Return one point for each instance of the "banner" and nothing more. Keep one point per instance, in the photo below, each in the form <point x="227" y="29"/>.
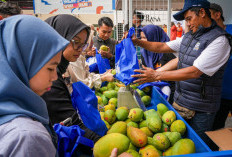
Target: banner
<point x="74" y="6"/>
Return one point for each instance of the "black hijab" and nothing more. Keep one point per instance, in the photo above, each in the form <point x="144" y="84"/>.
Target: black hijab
<point x="67" y="26"/>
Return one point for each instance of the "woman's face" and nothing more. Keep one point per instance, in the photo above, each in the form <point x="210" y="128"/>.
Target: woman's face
<point x="74" y="49"/>
<point x="143" y="37"/>
<point x="42" y="81"/>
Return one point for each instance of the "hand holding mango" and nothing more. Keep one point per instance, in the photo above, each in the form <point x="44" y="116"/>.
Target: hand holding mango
<point x="92" y="52"/>
<point x="105" y="51"/>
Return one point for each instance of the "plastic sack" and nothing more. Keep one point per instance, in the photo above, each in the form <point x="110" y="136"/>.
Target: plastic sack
<point x="97" y="63"/>
<point x="126" y="60"/>
<point x="157" y="85"/>
<point x="92" y="63"/>
<point x="70" y="140"/>
<point x="85" y="102"/>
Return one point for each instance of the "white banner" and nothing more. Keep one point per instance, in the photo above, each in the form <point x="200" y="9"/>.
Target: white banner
<point x="74" y="6"/>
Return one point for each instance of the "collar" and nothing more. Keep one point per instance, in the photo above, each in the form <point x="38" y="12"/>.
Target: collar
<point x="101" y="40"/>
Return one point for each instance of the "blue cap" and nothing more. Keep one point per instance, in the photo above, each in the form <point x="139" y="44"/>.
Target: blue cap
<point x="189" y="4"/>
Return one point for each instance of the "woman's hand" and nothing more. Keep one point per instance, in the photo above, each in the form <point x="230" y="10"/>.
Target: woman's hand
<point x="107" y="76"/>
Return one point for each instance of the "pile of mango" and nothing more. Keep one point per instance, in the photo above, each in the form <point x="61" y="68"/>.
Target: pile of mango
<point x="151" y="133"/>
<point x="107" y="95"/>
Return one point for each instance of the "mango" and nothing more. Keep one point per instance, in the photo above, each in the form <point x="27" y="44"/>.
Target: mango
<point x="134" y="86"/>
<point x="99" y="100"/>
<point x="113" y="72"/>
<point x="143" y="149"/>
<point x="174" y="137"/>
<point x="127" y="121"/>
<point x="147" y="131"/>
<point x="153" y="120"/>
<point x="120" y="84"/>
<point x="183" y="146"/>
<point x="136" y="136"/>
<point x="107" y="124"/>
<point x="118" y="127"/>
<point x="104" y="100"/>
<point x="149" y="141"/>
<point x="140" y="92"/>
<point x="168" y="152"/>
<point x="164" y="128"/>
<point x="134" y="153"/>
<point x="109" y="107"/>
<point x="161" y="109"/>
<point x="178" y="126"/>
<point x="161" y="141"/>
<point x="166" y="133"/>
<point x="113" y="101"/>
<point x="136" y="114"/>
<point x="116" y="88"/>
<point x="103" y="89"/>
<point x="169" y="117"/>
<point x="98" y="94"/>
<point x="102" y="115"/>
<point x="110" y="94"/>
<point x="147" y="89"/>
<point x="131" y="146"/>
<point x="104" y="146"/>
<point x="150" y="153"/>
<point x="122" y="113"/>
<point x="104" y="48"/>
<point x="143" y="124"/>
<point x="135" y="125"/>
<point x="109" y="116"/>
<point x="110" y="86"/>
<point x="146" y="100"/>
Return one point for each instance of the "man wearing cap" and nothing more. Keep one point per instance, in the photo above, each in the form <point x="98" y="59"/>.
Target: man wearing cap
<point x="137" y="20"/>
<point x="226" y="100"/>
<point x="199" y="68"/>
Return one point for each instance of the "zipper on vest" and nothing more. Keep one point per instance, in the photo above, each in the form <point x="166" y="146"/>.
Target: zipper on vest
<point x="190" y="41"/>
<point x="203" y="89"/>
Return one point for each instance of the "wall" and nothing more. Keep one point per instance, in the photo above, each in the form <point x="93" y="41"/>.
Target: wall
<point x="227" y="9"/>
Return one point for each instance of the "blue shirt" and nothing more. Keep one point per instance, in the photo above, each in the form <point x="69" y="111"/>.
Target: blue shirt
<point x="227" y="79"/>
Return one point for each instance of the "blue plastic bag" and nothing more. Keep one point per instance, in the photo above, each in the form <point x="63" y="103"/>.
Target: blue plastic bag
<point x="157" y="85"/>
<point x="69" y="138"/>
<point x="102" y="63"/>
<point x="98" y="63"/>
<point x="85" y="102"/>
<point x="126" y="60"/>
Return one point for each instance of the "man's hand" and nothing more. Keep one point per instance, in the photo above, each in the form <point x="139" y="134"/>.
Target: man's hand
<point x="146" y="75"/>
<point x="91" y="52"/>
<point x="105" y="54"/>
<point x="114" y="154"/>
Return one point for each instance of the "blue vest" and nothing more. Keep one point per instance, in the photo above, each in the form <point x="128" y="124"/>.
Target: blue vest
<point x="204" y="93"/>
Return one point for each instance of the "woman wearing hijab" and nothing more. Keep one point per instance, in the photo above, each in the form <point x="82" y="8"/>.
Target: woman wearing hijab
<point x="155" y="34"/>
<point x="58" y="99"/>
<point x="155" y="60"/>
<point x="79" y="70"/>
<point x="30" y="51"/>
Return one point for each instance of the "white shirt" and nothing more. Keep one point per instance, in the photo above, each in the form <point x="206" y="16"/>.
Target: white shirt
<point x="25" y="137"/>
<point x="212" y="58"/>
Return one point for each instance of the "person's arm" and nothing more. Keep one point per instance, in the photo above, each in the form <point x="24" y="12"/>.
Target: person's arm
<point x="150" y="75"/>
<point x="171" y="65"/>
<point x="157" y="47"/>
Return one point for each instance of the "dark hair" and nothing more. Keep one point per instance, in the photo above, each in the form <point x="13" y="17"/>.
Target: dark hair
<point x="126" y="28"/>
<point x="172" y="23"/>
<point x="105" y="20"/>
<point x="139" y="15"/>
<point x="7" y="8"/>
<point x="197" y="10"/>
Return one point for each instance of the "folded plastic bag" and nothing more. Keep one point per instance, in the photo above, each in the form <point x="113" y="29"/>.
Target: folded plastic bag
<point x="126" y="60"/>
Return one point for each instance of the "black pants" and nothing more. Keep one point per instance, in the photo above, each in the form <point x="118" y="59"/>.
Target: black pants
<point x="222" y="114"/>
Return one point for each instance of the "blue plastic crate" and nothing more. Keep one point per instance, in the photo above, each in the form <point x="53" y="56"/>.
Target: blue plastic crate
<point x="202" y="150"/>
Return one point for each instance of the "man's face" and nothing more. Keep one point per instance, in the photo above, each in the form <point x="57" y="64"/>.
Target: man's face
<point x="104" y="32"/>
<point x="193" y="21"/>
<point x="135" y="20"/>
<point x="215" y="15"/>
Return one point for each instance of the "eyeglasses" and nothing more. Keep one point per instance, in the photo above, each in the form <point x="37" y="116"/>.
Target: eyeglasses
<point x="76" y="45"/>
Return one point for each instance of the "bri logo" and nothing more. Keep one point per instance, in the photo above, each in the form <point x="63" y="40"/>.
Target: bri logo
<point x="197" y="46"/>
